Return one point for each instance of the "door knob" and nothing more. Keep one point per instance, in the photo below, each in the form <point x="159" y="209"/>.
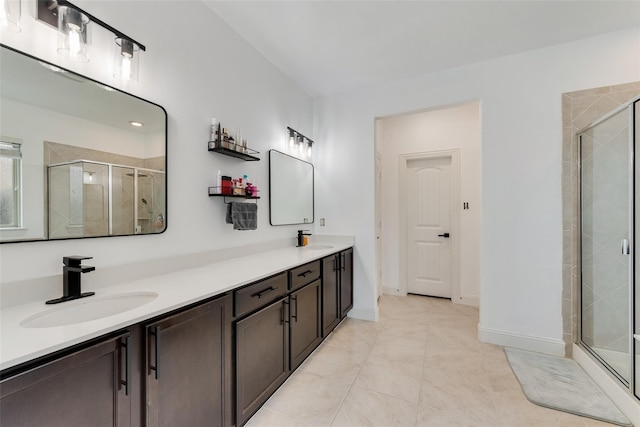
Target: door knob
<point x="444" y="235"/>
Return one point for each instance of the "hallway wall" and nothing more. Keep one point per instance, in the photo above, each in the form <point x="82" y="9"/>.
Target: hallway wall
<point x="521" y="252"/>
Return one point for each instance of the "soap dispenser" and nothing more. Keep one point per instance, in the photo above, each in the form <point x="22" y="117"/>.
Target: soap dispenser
<point x="302" y="237"/>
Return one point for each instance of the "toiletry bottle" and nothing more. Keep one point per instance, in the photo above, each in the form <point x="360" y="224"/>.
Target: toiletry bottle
<point x="219" y="182"/>
<point x="226" y="185"/>
<point x="213" y="137"/>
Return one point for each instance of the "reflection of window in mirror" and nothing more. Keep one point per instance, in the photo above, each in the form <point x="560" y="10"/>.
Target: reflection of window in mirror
<point x="10" y="184"/>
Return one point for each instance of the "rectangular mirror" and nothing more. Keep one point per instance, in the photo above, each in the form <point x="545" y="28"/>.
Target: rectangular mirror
<point x="290" y="190"/>
<point x="77" y="158"/>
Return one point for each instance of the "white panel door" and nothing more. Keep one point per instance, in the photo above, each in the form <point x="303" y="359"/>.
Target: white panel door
<point x="428" y="202"/>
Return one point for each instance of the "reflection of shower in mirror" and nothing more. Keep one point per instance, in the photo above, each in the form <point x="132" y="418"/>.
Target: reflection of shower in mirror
<point x="106" y="203"/>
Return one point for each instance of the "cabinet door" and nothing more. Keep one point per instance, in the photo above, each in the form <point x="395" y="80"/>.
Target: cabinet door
<point x="189" y="367"/>
<point x="346" y="282"/>
<point x="305" y="321"/>
<point x="330" y="294"/>
<point x="262" y="357"/>
<point x="86" y="388"/>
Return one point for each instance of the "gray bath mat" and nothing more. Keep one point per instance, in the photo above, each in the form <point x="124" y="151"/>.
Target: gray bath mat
<point x="559" y="383"/>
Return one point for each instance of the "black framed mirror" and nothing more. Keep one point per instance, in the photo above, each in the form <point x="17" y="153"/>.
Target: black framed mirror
<point x="290" y="190"/>
<point x="77" y="158"/>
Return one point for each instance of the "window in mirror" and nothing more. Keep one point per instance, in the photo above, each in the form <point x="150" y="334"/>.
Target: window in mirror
<point x="10" y="188"/>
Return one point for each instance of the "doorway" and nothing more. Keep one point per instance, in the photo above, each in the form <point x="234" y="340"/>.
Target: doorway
<point x="430" y="223"/>
<point x="449" y="131"/>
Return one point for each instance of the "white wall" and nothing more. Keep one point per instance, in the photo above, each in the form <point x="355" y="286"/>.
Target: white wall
<point x="456" y="127"/>
<point x="196" y="68"/>
<point x="521" y="252"/>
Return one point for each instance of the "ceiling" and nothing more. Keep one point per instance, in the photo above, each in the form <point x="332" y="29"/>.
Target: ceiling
<point x="334" y="46"/>
<point x="27" y="80"/>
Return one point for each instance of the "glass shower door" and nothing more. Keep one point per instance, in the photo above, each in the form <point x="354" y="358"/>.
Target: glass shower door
<point x="606" y="205"/>
<point x="636" y="285"/>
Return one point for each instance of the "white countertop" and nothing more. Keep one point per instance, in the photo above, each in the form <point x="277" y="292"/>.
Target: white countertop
<point x="178" y="289"/>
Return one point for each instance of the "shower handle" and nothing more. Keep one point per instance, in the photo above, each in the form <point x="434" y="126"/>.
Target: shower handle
<point x="625" y="247"/>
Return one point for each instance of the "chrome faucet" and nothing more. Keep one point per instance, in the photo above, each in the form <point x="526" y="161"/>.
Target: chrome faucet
<point x="301" y="234"/>
<point x="71" y="285"/>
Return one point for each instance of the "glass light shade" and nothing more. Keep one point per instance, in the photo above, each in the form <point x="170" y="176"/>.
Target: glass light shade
<point x="126" y="60"/>
<point x="10" y="15"/>
<point x="72" y="39"/>
<point x="292" y="140"/>
<point x="309" y="151"/>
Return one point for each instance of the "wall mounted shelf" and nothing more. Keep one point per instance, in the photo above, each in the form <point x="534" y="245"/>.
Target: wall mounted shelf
<point x="231" y="196"/>
<point x="249" y="155"/>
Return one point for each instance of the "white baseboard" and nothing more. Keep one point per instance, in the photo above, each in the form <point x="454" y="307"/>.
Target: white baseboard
<point x="464" y="300"/>
<point x="522" y="342"/>
<point x="620" y="396"/>
<point x="472" y="301"/>
<point x="362" y="313"/>
<point x="393" y="291"/>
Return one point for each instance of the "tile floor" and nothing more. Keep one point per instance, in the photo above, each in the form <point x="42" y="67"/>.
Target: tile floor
<point x="420" y="365"/>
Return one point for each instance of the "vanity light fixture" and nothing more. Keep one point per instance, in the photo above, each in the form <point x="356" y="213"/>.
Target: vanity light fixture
<point x="73" y="24"/>
<point x="126" y="60"/>
<point x="10" y="15"/>
<point x="292" y="138"/>
<point x="299" y="142"/>
<point x="72" y="38"/>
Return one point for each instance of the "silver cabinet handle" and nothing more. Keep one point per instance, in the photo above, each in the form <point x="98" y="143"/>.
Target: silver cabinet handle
<point x="625" y="247"/>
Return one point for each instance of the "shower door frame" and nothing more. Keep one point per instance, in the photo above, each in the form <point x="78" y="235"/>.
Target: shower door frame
<point x="136" y="170"/>
<point x="631" y="385"/>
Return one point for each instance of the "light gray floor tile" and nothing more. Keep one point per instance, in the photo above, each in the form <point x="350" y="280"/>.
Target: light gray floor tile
<point x="420" y="365"/>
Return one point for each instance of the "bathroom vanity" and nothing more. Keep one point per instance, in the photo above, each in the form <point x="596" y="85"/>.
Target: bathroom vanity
<point x="214" y="345"/>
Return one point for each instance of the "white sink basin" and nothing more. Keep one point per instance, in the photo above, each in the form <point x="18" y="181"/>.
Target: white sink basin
<point x="319" y="247"/>
<point x="89" y="308"/>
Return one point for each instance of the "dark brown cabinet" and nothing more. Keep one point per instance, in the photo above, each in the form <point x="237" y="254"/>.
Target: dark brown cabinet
<point x="346" y="282"/>
<point x="212" y="364"/>
<point x="188" y="367"/>
<point x="337" y="289"/>
<point x="89" y="387"/>
<point x="262" y="357"/>
<point x="330" y="294"/>
<point x="305" y="323"/>
<point x="276" y="339"/>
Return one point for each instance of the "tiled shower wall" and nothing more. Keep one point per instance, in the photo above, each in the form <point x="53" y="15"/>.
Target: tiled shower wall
<point x="579" y="110"/>
<point x="96" y="223"/>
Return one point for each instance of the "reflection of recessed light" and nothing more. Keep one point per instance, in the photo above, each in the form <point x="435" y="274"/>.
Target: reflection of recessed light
<point x="51" y="67"/>
<point x="136" y="124"/>
<point x="105" y="87"/>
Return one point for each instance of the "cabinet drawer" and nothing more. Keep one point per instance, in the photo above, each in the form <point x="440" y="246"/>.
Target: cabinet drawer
<point x="304" y="274"/>
<point x="259" y="294"/>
